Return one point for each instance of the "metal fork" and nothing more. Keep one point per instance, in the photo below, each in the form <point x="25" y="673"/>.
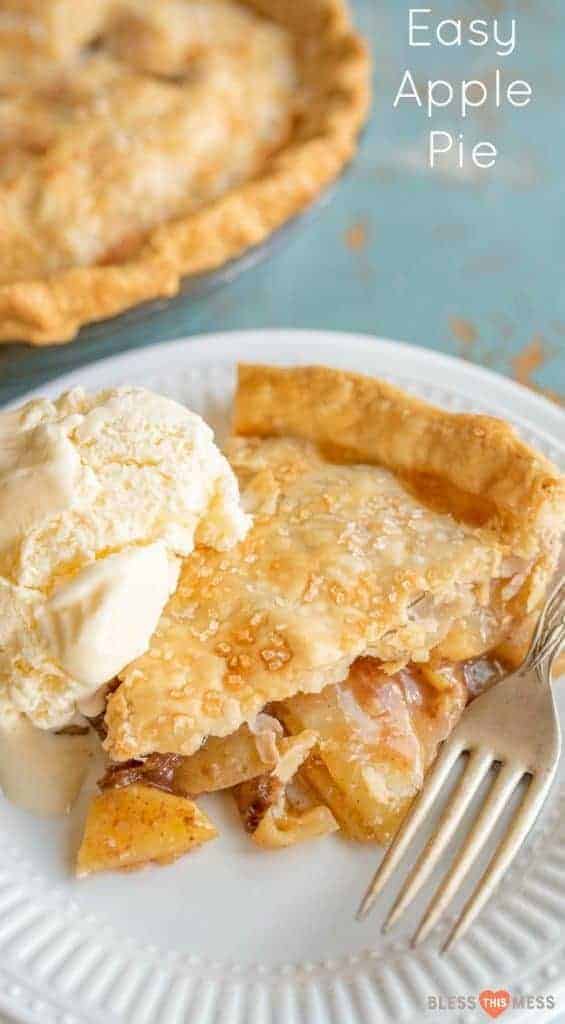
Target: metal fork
<point x="514" y="725"/>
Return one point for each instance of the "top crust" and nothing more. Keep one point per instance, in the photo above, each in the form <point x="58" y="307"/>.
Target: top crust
<point x="474" y="466"/>
<point x="342" y="560"/>
<point x="334" y="73"/>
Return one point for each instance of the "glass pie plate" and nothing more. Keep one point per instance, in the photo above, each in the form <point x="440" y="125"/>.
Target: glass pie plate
<point x="196" y="286"/>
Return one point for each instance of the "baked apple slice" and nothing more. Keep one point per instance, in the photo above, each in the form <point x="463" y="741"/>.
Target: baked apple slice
<point x="138" y="825"/>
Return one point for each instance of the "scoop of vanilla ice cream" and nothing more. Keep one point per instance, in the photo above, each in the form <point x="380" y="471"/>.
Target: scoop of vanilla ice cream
<point x="100" y="495"/>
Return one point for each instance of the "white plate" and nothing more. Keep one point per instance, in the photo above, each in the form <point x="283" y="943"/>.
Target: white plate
<point x="232" y="935"/>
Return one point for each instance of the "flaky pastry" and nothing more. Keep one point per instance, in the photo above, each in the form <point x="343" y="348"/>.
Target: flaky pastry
<point x="382" y="527"/>
<point x="141" y="142"/>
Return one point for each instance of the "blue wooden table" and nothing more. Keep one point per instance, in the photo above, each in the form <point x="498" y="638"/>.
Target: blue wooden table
<point x="468" y="262"/>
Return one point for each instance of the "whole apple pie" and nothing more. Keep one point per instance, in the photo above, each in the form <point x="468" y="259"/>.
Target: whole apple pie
<point x="141" y="142"/>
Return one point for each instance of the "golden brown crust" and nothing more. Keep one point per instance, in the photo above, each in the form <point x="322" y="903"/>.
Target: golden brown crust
<point x="51" y="311"/>
<point x="334" y="65"/>
<point x="341" y="555"/>
<point x="342" y="559"/>
<point x="335" y="561"/>
<point x="33" y="32"/>
<point x="474" y="464"/>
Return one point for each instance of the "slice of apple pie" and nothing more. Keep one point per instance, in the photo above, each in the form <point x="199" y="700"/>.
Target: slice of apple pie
<point x="394" y="548"/>
<point x="382" y="527"/>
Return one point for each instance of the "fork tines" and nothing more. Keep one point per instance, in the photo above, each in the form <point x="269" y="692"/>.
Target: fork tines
<point x="514" y="725"/>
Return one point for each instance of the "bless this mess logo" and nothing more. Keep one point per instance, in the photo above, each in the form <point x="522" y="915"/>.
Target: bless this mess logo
<point x="493" y="1002"/>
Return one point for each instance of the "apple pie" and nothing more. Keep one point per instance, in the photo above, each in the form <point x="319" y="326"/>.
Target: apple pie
<point x="315" y="668"/>
<point x="375" y="565"/>
<point x="371" y="537"/>
<point x="141" y="142"/>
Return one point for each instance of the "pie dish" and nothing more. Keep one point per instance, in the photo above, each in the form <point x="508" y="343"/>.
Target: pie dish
<point x="315" y="667"/>
<point x="143" y="142"/>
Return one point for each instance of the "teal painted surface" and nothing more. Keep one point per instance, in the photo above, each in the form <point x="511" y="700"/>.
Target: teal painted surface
<point x="470" y="265"/>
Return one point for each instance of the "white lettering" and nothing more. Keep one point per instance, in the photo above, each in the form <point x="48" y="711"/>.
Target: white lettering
<point x="479" y="35"/>
<point x="484" y="155"/>
<point x="518" y="89"/>
<point x="435" y="149"/>
<point x="455" y="40"/>
<point x="449" y="32"/>
<point x="413" y="27"/>
<point x="505" y="46"/>
<point x="412" y="95"/>
<point x="436" y="101"/>
<point x="468" y="89"/>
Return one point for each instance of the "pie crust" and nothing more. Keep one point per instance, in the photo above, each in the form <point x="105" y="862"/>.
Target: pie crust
<point x="372" y="536"/>
<point x="34" y="33"/>
<point x="333" y="69"/>
<point x="473" y="465"/>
